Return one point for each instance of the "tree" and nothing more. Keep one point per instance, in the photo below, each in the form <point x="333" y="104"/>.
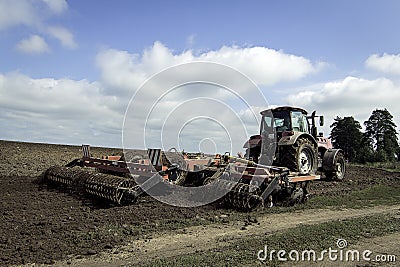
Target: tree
<point x="346" y="135"/>
<point x="381" y="135"/>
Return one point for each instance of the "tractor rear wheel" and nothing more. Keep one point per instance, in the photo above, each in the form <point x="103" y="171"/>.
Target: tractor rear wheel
<point x="340" y="166"/>
<point x="300" y="157"/>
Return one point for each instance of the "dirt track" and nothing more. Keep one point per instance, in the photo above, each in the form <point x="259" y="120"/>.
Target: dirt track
<point x="44" y="226"/>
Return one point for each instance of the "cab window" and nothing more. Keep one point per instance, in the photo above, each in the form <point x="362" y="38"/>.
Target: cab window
<point x="299" y="122"/>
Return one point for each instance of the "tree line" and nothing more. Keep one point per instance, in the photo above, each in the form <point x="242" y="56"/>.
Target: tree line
<point x="378" y="143"/>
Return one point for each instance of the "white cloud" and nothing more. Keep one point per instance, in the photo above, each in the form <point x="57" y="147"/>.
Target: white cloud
<point x="75" y="112"/>
<point x="122" y="73"/>
<point x="63" y="111"/>
<point x="265" y="66"/>
<point x="119" y="71"/>
<point x="386" y="63"/>
<point x="33" y="45"/>
<point x="14" y="13"/>
<point x="57" y="6"/>
<point x="36" y="16"/>
<point x="63" y="35"/>
<point x="68" y="111"/>
<point x="351" y="96"/>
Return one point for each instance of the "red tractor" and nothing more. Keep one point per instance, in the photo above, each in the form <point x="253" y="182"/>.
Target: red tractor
<point x="289" y="138"/>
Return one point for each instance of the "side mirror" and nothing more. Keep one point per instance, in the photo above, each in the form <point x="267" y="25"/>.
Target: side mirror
<point x="321" y="121"/>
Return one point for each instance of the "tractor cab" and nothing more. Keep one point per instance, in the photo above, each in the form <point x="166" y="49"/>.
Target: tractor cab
<point x="284" y="121"/>
<point x="287" y="121"/>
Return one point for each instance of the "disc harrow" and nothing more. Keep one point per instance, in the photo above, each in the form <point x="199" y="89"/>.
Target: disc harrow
<point x="245" y="184"/>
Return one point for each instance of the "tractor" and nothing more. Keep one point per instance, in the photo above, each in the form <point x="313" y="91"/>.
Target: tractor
<point x="289" y="138"/>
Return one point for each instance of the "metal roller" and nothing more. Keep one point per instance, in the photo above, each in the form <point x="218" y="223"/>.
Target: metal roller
<point x="70" y="177"/>
<point x="240" y="195"/>
<point x="119" y="190"/>
<point x="108" y="186"/>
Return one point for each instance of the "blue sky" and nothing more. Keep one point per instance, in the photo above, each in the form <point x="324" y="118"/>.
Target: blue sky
<point x="341" y="32"/>
<point x="341" y="49"/>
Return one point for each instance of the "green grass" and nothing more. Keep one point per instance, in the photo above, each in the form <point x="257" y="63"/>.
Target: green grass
<point x="317" y="237"/>
<point x="372" y="196"/>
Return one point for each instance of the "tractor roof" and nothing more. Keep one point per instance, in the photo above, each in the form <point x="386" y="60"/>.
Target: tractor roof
<point x="284" y="108"/>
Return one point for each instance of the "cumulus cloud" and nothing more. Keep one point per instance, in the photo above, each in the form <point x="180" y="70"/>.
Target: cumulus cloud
<point x="61" y="111"/>
<point x="57" y="6"/>
<point x="75" y="112"/>
<point x="265" y="66"/>
<point x="33" y="45"/>
<point x="199" y="91"/>
<point x="351" y="96"/>
<point x="63" y="35"/>
<point x="36" y="16"/>
<point x="122" y="73"/>
<point x="386" y="63"/>
<point x="69" y="111"/>
<point x="14" y="13"/>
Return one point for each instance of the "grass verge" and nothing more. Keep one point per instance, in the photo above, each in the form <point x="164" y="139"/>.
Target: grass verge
<point x="305" y="237"/>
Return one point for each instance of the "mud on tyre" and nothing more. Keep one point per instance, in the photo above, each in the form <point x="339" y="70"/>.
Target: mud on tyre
<point x="300" y="157"/>
<point x="340" y="166"/>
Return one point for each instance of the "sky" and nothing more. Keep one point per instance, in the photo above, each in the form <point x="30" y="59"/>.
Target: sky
<point x="70" y="69"/>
